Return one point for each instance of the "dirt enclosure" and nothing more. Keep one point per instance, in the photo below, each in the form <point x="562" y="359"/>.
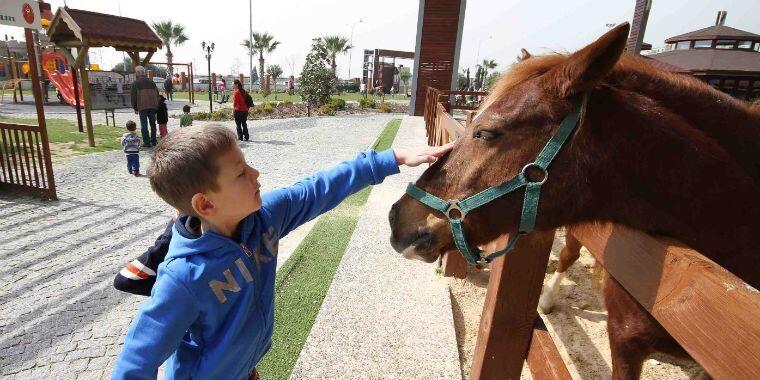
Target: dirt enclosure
<point x="578" y="323"/>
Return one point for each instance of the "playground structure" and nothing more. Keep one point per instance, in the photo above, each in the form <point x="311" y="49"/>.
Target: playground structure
<point x="184" y="79"/>
<point x="82" y="30"/>
<point x="380" y="75"/>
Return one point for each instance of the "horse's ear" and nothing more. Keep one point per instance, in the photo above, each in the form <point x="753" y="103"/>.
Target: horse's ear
<point x="523" y="55"/>
<point x="587" y="67"/>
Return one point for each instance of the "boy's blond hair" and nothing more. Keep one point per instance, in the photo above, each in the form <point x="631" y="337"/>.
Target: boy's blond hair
<point x="184" y="164"/>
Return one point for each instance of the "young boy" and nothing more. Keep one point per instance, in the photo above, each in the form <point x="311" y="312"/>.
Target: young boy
<point x="187" y="119"/>
<point x="211" y="310"/>
<point x="131" y="143"/>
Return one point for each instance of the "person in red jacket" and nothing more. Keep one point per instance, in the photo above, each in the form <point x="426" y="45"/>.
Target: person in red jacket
<point x="240" y="105"/>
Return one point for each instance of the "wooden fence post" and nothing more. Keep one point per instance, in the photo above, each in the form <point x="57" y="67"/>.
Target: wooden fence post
<point x="509" y="312"/>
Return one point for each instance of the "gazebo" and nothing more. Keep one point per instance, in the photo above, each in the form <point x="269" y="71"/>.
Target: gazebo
<point x="80" y="29"/>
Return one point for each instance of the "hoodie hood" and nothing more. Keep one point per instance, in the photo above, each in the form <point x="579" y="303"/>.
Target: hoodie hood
<point x="188" y="240"/>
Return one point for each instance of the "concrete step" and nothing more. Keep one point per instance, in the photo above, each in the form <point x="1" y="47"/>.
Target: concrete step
<point x="384" y="316"/>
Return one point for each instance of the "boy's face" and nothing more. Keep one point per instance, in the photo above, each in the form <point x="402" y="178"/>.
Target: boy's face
<point x="238" y="193"/>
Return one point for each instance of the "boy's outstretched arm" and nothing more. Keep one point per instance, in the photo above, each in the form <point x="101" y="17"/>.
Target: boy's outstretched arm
<point x="292" y="206"/>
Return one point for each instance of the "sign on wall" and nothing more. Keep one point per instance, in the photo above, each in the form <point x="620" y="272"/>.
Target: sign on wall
<point x="23" y="13"/>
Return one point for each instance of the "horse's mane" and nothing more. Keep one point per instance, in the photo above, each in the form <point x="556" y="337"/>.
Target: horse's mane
<point x="627" y="65"/>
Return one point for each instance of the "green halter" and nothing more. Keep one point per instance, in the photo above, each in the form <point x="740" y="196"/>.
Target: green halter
<point x="456" y="210"/>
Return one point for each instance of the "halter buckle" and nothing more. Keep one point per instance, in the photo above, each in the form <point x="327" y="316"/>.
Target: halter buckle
<point x="535" y="165"/>
<point x="454" y="206"/>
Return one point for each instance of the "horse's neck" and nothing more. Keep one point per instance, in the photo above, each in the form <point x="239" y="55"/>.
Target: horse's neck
<point x="668" y="176"/>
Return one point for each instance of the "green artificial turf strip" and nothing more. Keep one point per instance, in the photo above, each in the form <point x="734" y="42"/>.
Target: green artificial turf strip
<point x="303" y="281"/>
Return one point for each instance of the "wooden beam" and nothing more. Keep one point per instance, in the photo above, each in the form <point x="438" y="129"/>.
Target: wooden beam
<point x="454" y="265"/>
<point x="543" y="358"/>
<point x="87" y="99"/>
<point x="712" y="313"/>
<point x="71" y="61"/>
<point x="148" y="57"/>
<point x="81" y="55"/>
<point x="135" y="58"/>
<point x="509" y="312"/>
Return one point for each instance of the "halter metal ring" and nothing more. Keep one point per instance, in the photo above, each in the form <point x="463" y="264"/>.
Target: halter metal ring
<point x="454" y="206"/>
<point x="535" y="165"/>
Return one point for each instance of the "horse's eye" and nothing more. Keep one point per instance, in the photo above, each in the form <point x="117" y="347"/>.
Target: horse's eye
<point x="485" y="135"/>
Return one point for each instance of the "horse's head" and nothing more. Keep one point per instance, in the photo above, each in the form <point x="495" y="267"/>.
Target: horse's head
<point x="513" y="124"/>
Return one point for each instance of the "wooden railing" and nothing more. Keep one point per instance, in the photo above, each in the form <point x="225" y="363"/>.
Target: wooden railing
<point x="438" y="108"/>
<point x="712" y="313"/>
<point x="25" y="164"/>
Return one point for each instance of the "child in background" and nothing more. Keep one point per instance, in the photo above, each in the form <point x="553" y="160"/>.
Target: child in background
<point x="162" y="116"/>
<point x="187" y="119"/>
<point x="131" y="143"/>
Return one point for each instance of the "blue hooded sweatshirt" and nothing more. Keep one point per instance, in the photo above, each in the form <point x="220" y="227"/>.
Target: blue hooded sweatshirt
<point x="211" y="311"/>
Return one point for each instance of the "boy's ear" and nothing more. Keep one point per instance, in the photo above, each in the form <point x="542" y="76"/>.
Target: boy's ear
<point x="202" y="205"/>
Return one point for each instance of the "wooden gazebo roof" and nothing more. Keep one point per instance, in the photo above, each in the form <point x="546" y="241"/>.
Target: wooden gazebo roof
<point x="715" y="32"/>
<point x="79" y="28"/>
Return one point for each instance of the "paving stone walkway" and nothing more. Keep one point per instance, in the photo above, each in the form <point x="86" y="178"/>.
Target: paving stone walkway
<point x="60" y="317"/>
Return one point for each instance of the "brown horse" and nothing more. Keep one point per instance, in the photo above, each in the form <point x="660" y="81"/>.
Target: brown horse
<point x="658" y="152"/>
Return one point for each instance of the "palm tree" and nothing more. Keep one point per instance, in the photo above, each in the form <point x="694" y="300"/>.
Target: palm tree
<point x="336" y="45"/>
<point x="262" y="43"/>
<point x="170" y="34"/>
<point x="274" y="72"/>
<point x="487" y="64"/>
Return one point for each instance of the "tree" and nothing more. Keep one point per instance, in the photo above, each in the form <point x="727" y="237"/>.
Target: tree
<point x="170" y="34"/>
<point x="336" y="45"/>
<point x="316" y="79"/>
<point x="126" y="67"/>
<point x="462" y="80"/>
<point x="487" y="65"/>
<point x="492" y="78"/>
<point x="404" y="74"/>
<point x="274" y="72"/>
<point x="262" y="43"/>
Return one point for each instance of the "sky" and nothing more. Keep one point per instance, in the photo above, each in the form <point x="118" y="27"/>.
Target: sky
<point x="493" y="29"/>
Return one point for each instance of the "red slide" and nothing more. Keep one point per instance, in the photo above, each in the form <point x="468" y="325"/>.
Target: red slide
<point x="64" y="82"/>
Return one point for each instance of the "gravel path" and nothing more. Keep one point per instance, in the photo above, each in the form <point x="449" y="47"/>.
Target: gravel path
<point x="60" y="315"/>
<point x="384" y="317"/>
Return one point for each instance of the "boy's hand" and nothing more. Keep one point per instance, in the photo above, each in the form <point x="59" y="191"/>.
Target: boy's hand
<point x="416" y="156"/>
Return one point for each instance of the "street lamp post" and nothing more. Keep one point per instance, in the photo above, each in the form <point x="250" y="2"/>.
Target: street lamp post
<point x="351" y="43"/>
<point x="477" y="56"/>
<point x="250" y="43"/>
<point x="208" y="48"/>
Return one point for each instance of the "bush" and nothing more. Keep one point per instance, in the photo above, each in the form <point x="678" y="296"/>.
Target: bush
<point x="385" y="107"/>
<point x="254" y="111"/>
<point x="327" y="110"/>
<point x="220" y="114"/>
<point x="337" y="104"/>
<point x="267" y="107"/>
<point x="347" y="87"/>
<point x="367" y="103"/>
<point x="286" y="101"/>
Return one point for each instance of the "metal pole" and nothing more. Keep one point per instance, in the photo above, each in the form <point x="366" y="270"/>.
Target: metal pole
<point x="208" y="58"/>
<point x="250" y="43"/>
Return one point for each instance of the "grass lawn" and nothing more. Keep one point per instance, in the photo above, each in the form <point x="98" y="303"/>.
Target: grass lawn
<point x="65" y="139"/>
<point x="302" y="283"/>
<point x="258" y="98"/>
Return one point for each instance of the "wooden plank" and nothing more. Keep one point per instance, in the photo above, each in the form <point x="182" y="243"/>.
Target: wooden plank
<point x="447" y="122"/>
<point x="87" y="98"/>
<point x="544" y="360"/>
<point x="454" y="265"/>
<point x="712" y="313"/>
<point x="509" y="312"/>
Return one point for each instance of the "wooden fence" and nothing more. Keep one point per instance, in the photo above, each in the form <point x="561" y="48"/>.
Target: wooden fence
<point x="712" y="313"/>
<point x="25" y="163"/>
